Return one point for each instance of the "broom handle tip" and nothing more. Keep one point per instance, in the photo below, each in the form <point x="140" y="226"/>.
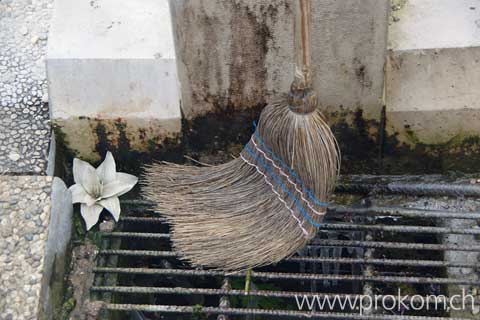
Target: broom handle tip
<point x="305" y="24"/>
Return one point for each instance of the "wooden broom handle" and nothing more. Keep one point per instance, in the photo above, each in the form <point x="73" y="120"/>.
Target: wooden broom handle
<point x="305" y="18"/>
<point x="301" y="98"/>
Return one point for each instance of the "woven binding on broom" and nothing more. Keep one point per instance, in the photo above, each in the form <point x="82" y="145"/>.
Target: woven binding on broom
<point x="281" y="180"/>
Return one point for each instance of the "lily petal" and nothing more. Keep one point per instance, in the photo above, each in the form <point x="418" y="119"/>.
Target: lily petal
<point x="79" y="195"/>
<point x="86" y="176"/>
<point x="107" y="170"/>
<point x="90" y="214"/>
<point x="123" y="183"/>
<point x="112" y="205"/>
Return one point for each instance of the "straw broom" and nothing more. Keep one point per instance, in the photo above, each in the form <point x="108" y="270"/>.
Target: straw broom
<point x="264" y="205"/>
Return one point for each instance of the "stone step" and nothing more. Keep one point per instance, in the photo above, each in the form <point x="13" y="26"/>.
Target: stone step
<point x="111" y="67"/>
<point x="433" y="70"/>
<point x="35" y="229"/>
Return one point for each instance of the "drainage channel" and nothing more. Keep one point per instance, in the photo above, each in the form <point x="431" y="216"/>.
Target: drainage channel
<point x="365" y="250"/>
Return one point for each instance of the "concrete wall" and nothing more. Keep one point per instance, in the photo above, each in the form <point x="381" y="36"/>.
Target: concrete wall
<point x="349" y="48"/>
<point x="239" y="54"/>
<point x="232" y="54"/>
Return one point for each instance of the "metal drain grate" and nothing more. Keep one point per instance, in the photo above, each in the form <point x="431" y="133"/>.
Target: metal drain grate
<point x="406" y="240"/>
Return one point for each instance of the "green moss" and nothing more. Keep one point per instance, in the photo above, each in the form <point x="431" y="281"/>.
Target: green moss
<point x="461" y="153"/>
<point x="80" y="233"/>
<point x="258" y="302"/>
<point x="67" y="308"/>
<point x="412" y="137"/>
<point x="398" y="4"/>
<point x="198" y="313"/>
<point x="64" y="156"/>
<point x="346" y="199"/>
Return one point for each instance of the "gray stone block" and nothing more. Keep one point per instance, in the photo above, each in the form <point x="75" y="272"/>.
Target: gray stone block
<point x="125" y="77"/>
<point x="433" y="71"/>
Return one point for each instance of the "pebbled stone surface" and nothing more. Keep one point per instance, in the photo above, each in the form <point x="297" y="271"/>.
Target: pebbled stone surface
<point x="24" y="217"/>
<point x="24" y="116"/>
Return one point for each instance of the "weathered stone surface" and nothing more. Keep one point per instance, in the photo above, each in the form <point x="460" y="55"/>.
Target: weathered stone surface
<point x="35" y="227"/>
<point x="240" y="54"/>
<point x="91" y="138"/>
<point x="349" y="40"/>
<point x="59" y="235"/>
<point x="433" y="77"/>
<point x="232" y="54"/>
<point x="126" y="73"/>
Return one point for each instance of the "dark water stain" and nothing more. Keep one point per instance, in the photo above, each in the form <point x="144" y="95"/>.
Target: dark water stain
<point x="129" y="160"/>
<point x="361" y="73"/>
<point x="213" y="138"/>
<point x="358" y="142"/>
<point x="219" y="136"/>
<point x="64" y="156"/>
<point x="250" y="38"/>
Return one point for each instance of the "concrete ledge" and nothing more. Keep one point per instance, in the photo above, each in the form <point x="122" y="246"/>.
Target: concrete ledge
<point x="113" y="88"/>
<point x="35" y="226"/>
<point x="433" y="79"/>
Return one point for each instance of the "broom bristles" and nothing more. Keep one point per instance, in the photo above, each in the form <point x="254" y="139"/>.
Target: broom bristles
<point x="258" y="208"/>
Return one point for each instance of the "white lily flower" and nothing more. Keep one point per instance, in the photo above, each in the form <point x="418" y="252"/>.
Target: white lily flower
<point x="98" y="189"/>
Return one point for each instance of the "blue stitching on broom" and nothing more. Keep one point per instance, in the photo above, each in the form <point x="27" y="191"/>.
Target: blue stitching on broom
<point x="280" y="183"/>
<point x="285" y="166"/>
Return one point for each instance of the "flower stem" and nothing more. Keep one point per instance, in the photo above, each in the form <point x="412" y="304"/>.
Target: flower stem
<point x="248" y="279"/>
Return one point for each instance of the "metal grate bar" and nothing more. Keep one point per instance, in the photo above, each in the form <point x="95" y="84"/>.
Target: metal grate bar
<point x="417" y="189"/>
<point x="407" y="185"/>
<point x="262" y="293"/>
<point x="387" y="211"/>
<point x="404" y="212"/>
<point x="264" y="312"/>
<point x="389" y="262"/>
<point x="287" y="276"/>
<point x="143" y="219"/>
<point x="325" y="243"/>
<point x="343" y="227"/>
<point x="391" y="245"/>
<point x="136" y="235"/>
<point x="398" y="228"/>
<point x="139" y="253"/>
